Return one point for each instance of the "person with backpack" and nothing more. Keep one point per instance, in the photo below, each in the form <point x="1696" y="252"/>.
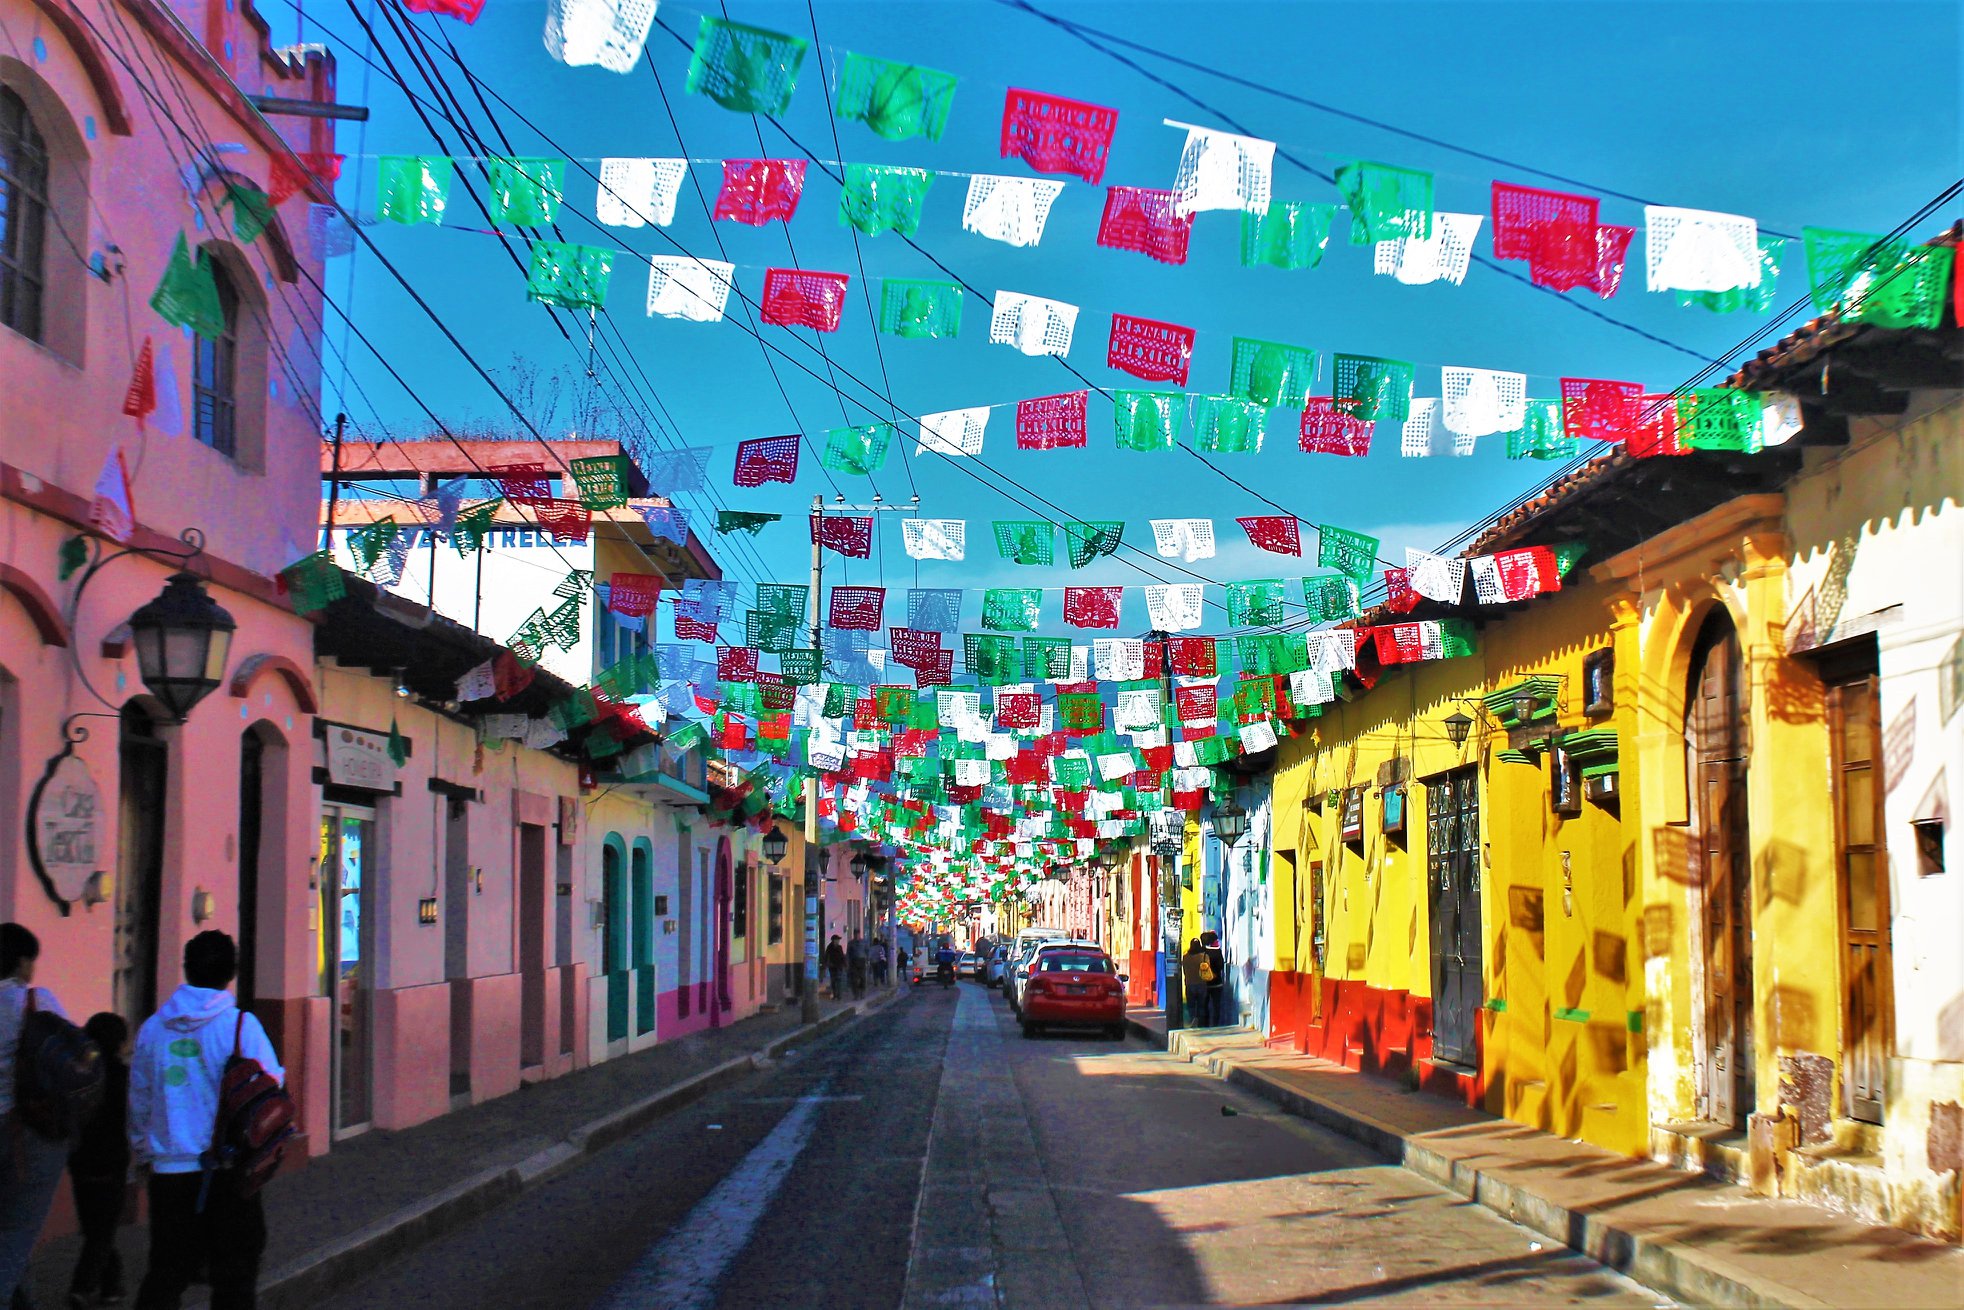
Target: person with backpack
<point x="1195" y="973"/>
<point x="99" y="1169"/>
<point x="209" y="1115"/>
<point x="50" y="1078"/>
<point x="1210" y="942"/>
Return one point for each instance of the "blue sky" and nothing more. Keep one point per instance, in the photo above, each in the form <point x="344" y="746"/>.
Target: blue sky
<point x="1825" y="114"/>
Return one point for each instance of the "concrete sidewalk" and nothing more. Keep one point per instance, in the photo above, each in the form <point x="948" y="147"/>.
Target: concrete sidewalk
<point x="1693" y="1237"/>
<point x="377" y="1195"/>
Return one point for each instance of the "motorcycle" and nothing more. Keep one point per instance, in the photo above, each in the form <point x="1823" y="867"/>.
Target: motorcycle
<point x="945" y="974"/>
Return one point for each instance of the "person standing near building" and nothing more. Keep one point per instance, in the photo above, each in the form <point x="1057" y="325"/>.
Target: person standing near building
<point x="30" y="1162"/>
<point x="835" y="967"/>
<point x="857" y="958"/>
<point x="1210" y="941"/>
<point x="197" y="1218"/>
<point x="880" y="961"/>
<point x="1193" y="983"/>
<point x="99" y="1169"/>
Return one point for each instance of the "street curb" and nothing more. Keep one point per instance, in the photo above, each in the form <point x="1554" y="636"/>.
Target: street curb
<point x="323" y="1272"/>
<point x="1692" y="1276"/>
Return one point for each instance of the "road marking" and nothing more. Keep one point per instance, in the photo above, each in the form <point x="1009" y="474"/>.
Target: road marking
<point x="780" y="1100"/>
<point x="681" y="1271"/>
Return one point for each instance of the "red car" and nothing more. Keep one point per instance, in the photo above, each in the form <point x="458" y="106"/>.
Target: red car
<point x="1075" y="985"/>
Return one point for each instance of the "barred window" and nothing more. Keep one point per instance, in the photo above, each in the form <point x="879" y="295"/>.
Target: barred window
<point x="23" y="217"/>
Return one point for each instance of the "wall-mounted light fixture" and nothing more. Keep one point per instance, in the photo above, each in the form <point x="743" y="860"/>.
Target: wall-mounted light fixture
<point x="204" y="906"/>
<point x="426" y="910"/>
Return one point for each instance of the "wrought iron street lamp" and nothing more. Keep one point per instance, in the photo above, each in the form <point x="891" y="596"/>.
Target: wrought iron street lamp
<point x="775" y="846"/>
<point x="1230" y="822"/>
<point x="1458" y="726"/>
<point x="860" y="865"/>
<point x="182" y="639"/>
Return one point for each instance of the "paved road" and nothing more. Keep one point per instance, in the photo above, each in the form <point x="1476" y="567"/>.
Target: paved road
<point x="932" y="1157"/>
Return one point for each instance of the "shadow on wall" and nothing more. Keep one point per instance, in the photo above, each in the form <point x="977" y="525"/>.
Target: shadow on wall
<point x="1780" y="873"/>
<point x="1950" y="1029"/>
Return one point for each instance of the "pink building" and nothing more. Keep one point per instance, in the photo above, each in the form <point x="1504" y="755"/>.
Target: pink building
<point x="152" y="828"/>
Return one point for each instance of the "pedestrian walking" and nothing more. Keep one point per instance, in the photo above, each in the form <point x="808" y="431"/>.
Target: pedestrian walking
<point x="33" y="1148"/>
<point x="1193" y="983"/>
<point x="906" y="974"/>
<point x="880" y="961"/>
<point x="99" y="1171"/>
<point x="1210" y="941"/>
<point x="198" y="1216"/>
<point x="857" y="958"/>
<point x="835" y="967"/>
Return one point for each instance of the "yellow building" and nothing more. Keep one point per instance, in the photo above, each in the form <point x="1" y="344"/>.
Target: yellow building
<point x="1663" y="864"/>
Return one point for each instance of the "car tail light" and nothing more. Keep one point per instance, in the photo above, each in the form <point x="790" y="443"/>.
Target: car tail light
<point x="1034" y="985"/>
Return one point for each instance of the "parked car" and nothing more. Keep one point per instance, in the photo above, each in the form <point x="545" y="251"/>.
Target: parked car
<point x="996" y="966"/>
<point x="969" y="965"/>
<point x="1074" y="984"/>
<point x="1019" y="971"/>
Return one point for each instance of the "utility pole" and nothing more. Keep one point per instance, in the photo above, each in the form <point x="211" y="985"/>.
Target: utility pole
<point x="334" y="484"/>
<point x="1168" y="849"/>
<point x="814" y="879"/>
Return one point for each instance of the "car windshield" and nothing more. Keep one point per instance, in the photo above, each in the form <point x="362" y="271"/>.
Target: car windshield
<point x="1072" y="962"/>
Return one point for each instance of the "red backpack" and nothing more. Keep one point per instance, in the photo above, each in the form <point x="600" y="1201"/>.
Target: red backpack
<point x="255" y="1120"/>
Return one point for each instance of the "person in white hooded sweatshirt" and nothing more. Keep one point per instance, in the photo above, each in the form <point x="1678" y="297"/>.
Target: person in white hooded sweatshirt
<point x="180" y="1054"/>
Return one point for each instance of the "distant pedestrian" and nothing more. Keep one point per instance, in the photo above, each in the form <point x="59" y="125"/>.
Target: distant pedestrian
<point x="30" y="1160"/>
<point x="1210" y="942"/>
<point x="1193" y="983"/>
<point x="906" y="974"/>
<point x="99" y="1170"/>
<point x="835" y="967"/>
<point x="880" y="961"/>
<point x="857" y="958"/>
<point x="198" y="1218"/>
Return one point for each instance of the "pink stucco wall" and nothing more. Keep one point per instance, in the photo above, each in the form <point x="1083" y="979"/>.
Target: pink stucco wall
<point x="59" y="423"/>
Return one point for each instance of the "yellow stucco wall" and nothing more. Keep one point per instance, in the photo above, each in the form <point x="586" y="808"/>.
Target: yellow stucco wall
<point x="1556" y="937"/>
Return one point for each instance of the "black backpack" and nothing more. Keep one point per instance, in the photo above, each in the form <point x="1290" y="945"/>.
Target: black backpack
<point x="58" y="1074"/>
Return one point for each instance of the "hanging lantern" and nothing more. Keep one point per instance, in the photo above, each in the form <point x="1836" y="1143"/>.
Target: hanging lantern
<point x="182" y="639"/>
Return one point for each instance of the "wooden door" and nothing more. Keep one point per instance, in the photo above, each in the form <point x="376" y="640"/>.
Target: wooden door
<point x="1453" y="878"/>
<point x="614" y="954"/>
<point x="1715" y="734"/>
<point x="1868" y="1010"/>
<point x="144" y="766"/>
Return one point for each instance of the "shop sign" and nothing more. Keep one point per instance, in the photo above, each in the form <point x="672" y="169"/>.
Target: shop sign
<point x="64" y="828"/>
<point x="359" y="759"/>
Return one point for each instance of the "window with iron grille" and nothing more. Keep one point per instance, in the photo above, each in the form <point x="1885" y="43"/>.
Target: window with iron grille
<point x="215" y="374"/>
<point x="23" y="217"/>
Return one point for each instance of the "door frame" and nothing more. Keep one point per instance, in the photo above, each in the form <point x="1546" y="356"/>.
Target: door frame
<point x="1447" y="810"/>
<point x="1711" y="1025"/>
<point x="332" y="814"/>
<point x="1864" y="682"/>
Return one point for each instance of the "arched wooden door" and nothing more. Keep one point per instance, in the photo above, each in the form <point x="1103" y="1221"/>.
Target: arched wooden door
<point x="1716" y="747"/>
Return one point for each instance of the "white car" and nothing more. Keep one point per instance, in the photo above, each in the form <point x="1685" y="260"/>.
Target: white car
<point x="1012" y="986"/>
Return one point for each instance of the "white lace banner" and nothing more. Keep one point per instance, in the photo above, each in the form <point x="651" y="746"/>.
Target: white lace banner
<point x="1481" y="402"/>
<point x="682" y="286"/>
<point x="1699" y="250"/>
<point x="1032" y="324"/>
<point x="1174" y="607"/>
<point x="1219" y="170"/>
<point x="954" y="431"/>
<point x="637" y="192"/>
<point x="1441" y="257"/>
<point x="1187" y="539"/>
<point x="935" y="538"/>
<point x="1009" y="209"/>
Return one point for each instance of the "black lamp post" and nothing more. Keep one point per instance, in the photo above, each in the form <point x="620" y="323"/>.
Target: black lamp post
<point x="860" y="865"/>
<point x="1230" y="822"/>
<point x="775" y="845"/>
<point x="182" y="639"/>
<point x="1457" y="728"/>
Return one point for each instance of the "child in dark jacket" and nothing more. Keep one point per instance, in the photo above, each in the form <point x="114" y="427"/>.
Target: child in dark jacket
<point x="98" y="1169"/>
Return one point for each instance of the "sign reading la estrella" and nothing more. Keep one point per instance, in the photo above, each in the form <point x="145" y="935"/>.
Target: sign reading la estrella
<point x="359" y="759"/>
<point x="65" y="824"/>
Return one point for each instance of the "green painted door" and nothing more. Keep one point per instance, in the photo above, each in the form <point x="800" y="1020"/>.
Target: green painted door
<point x="644" y="940"/>
<point x="613" y="962"/>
